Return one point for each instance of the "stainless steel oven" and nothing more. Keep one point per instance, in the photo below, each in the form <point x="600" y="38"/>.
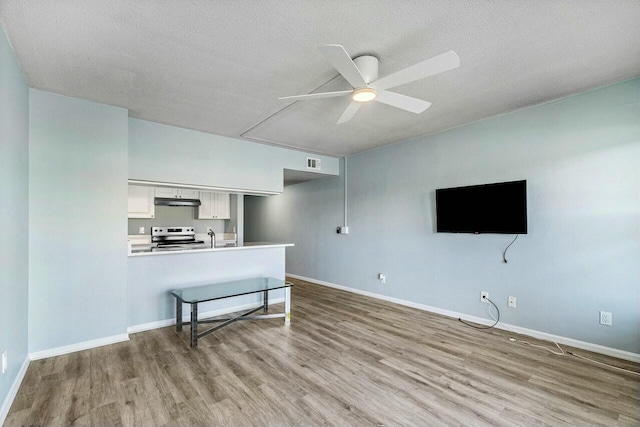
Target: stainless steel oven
<point x="175" y="238"/>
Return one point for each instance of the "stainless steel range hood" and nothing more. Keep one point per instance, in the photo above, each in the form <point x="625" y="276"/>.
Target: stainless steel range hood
<point x="162" y="201"/>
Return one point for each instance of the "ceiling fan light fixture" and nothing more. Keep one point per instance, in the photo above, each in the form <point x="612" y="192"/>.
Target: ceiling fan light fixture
<point x="364" y="95"/>
<point x="362" y="75"/>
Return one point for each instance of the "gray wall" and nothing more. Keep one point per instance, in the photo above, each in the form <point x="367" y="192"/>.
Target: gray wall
<point x="77" y="219"/>
<point x="581" y="159"/>
<point x="14" y="212"/>
<point x="163" y="153"/>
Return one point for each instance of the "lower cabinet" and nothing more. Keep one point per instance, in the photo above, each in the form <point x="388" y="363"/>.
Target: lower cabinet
<point x="214" y="205"/>
<point x="140" y="202"/>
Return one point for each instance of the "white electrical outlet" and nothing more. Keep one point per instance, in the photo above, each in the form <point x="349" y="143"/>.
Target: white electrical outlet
<point x="606" y="318"/>
<point x="342" y="230"/>
<point x="382" y="278"/>
<point x="483" y="297"/>
<point x="4" y="362"/>
<point x="140" y="230"/>
<point x="512" y="302"/>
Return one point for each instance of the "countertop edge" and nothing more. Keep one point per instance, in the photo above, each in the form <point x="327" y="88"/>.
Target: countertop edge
<point x="248" y="246"/>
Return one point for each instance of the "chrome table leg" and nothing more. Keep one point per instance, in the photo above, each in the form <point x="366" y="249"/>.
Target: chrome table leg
<point x="265" y="299"/>
<point x="178" y="315"/>
<point x="194" y="325"/>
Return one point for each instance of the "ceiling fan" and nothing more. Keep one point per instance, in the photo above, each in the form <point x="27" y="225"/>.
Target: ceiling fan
<point x="362" y="74"/>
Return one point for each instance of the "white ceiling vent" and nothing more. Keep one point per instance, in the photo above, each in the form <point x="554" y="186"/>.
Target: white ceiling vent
<point x="313" y="164"/>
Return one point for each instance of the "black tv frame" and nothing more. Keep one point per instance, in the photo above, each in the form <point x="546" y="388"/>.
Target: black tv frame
<point x="440" y="229"/>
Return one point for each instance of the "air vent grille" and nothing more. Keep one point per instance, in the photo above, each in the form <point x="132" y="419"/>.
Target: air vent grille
<point x="313" y="163"/>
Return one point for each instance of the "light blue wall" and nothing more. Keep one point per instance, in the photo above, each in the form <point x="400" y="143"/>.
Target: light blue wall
<point x="77" y="219"/>
<point x="14" y="212"/>
<point x="152" y="277"/>
<point x="170" y="154"/>
<point x="581" y="159"/>
<point x="81" y="155"/>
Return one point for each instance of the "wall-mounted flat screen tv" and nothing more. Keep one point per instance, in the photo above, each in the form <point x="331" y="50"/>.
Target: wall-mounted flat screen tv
<point x="489" y="208"/>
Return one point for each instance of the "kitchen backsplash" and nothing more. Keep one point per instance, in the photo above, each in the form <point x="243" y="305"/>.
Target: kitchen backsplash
<point x="180" y="216"/>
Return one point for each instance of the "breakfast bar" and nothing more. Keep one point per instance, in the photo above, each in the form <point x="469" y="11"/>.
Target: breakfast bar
<point x="151" y="276"/>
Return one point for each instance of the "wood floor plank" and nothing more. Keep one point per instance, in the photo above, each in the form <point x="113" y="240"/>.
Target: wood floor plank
<point x="344" y="360"/>
<point x="109" y="415"/>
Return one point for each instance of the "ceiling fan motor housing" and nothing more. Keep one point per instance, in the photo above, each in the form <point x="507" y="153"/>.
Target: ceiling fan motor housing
<point x="368" y="66"/>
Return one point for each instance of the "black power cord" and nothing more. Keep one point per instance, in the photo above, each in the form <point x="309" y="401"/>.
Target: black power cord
<point x="484" y="327"/>
<point x="504" y="254"/>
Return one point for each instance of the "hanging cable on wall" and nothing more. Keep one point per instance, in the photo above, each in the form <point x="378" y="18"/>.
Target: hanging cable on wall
<point x="496" y="320"/>
<point x="504" y="254"/>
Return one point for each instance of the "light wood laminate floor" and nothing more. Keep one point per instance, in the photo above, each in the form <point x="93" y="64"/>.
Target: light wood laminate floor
<point x="344" y="360"/>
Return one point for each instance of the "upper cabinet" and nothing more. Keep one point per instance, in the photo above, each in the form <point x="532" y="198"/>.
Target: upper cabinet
<point x="189" y="194"/>
<point x="169" y="193"/>
<point x="176" y="193"/>
<point x="214" y="205"/>
<point x="140" y="202"/>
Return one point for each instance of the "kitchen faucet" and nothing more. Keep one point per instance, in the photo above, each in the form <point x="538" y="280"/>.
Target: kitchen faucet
<point x="212" y="234"/>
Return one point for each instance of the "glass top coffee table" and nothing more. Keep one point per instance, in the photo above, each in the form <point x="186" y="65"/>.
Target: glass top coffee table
<point x="216" y="291"/>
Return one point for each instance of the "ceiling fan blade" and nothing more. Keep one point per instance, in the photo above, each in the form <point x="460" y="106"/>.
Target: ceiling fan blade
<point x="404" y="102"/>
<point x="319" y="95"/>
<point x="437" y="64"/>
<point x="341" y="61"/>
<point x="349" y="112"/>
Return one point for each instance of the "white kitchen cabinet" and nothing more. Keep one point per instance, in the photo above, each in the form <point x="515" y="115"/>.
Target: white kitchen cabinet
<point x="176" y="193"/>
<point x="214" y="205"/>
<point x="168" y="193"/>
<point x="222" y="205"/>
<point x="140" y="202"/>
<point x="189" y="194"/>
<point x="205" y="210"/>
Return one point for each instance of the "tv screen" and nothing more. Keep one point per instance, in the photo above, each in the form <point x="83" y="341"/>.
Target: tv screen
<point x="490" y="208"/>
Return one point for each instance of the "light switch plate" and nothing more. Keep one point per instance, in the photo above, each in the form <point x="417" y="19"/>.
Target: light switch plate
<point x="4" y="362"/>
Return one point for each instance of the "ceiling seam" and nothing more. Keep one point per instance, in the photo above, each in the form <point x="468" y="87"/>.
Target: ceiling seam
<point x="243" y="134"/>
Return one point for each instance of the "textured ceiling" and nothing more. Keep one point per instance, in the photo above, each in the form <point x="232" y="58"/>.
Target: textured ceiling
<point x="219" y="67"/>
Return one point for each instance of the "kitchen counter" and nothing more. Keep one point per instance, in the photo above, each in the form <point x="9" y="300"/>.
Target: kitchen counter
<point x="146" y="251"/>
<point x="152" y="275"/>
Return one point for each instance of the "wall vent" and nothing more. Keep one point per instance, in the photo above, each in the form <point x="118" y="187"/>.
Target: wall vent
<point x="313" y="163"/>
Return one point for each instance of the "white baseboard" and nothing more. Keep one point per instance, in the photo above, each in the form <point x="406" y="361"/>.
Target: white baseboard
<point x="203" y="315"/>
<point x="596" y="348"/>
<point x="78" y="347"/>
<point x="13" y="391"/>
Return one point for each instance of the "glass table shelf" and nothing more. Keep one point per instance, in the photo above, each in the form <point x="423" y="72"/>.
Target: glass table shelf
<point x="215" y="291"/>
<point x="228" y="289"/>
